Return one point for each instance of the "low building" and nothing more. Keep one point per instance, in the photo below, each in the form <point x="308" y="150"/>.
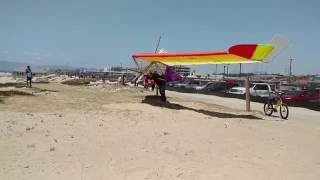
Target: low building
<point x="315" y="82"/>
<point x="182" y="70"/>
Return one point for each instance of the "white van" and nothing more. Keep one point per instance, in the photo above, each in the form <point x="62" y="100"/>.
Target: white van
<point x="256" y="89"/>
<point x="260" y="89"/>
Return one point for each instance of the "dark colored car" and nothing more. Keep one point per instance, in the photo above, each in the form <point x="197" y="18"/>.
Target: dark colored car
<point x="301" y="96"/>
<point x="229" y="83"/>
<point x="212" y="86"/>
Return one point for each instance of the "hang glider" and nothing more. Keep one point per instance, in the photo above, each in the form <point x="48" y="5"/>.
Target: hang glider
<point x="242" y="53"/>
<point x="237" y="54"/>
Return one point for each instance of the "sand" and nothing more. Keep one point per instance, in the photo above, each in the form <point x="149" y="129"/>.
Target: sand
<point x="113" y="132"/>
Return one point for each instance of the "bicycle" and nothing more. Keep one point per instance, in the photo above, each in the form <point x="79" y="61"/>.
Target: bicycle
<point x="275" y="103"/>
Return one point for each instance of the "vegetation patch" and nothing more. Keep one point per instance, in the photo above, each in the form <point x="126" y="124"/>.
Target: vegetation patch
<point x="76" y="82"/>
<point x="41" y="82"/>
<point x="12" y="84"/>
<point x="14" y="92"/>
<point x="48" y="90"/>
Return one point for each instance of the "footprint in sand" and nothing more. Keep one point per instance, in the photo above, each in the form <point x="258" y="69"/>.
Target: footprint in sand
<point x="31" y="146"/>
<point x="30" y="114"/>
<point x="29" y="129"/>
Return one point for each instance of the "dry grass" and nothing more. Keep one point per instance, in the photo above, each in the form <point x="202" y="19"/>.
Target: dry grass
<point x="76" y="82"/>
<point x="41" y="82"/>
<point x="48" y="90"/>
<point x="14" y="92"/>
<point x="12" y="84"/>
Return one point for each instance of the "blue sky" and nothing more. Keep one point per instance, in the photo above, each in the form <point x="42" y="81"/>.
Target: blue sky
<point x="95" y="33"/>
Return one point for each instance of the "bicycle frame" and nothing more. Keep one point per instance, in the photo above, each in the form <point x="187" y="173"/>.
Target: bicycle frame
<point x="278" y="104"/>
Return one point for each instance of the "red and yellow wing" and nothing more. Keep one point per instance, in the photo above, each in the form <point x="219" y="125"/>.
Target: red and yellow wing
<point x="243" y="53"/>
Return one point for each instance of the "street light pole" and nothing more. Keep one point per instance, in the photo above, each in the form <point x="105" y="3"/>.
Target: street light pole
<point x="290" y="70"/>
<point x="227" y="69"/>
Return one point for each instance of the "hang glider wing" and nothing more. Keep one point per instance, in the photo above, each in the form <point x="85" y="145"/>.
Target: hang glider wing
<point x="242" y="53"/>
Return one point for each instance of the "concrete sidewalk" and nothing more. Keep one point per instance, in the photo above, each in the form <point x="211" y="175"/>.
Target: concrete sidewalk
<point x="295" y="113"/>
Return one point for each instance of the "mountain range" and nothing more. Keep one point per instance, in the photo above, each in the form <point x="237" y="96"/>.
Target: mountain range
<point x="8" y="66"/>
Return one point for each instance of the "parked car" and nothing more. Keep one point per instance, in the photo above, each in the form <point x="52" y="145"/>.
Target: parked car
<point x="301" y="96"/>
<point x="192" y="84"/>
<point x="212" y="86"/>
<point x="237" y="91"/>
<point x="172" y="83"/>
<point x="229" y="83"/>
<point x="260" y="89"/>
<point x="256" y="89"/>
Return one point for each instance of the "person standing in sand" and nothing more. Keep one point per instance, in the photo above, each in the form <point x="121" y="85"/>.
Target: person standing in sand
<point x="161" y="83"/>
<point x="29" y="76"/>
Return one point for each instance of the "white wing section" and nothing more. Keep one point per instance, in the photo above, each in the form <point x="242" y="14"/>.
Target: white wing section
<point x="279" y="43"/>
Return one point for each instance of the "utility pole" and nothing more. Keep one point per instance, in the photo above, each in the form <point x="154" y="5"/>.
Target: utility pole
<point x="224" y="69"/>
<point x="240" y="69"/>
<point x="227" y="69"/>
<point x="216" y="68"/>
<point x="290" y="71"/>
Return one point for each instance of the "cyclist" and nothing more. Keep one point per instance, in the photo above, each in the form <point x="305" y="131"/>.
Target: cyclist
<point x="273" y="99"/>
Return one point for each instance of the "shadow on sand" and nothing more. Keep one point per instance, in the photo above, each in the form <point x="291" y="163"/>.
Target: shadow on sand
<point x="156" y="101"/>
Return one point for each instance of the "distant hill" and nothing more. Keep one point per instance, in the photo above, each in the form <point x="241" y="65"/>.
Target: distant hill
<point x="6" y="66"/>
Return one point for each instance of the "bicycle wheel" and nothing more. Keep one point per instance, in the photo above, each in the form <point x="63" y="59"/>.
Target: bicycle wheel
<point x="268" y="109"/>
<point x="284" y="111"/>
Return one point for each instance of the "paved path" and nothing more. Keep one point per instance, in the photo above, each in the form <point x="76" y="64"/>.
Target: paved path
<point x="295" y="113"/>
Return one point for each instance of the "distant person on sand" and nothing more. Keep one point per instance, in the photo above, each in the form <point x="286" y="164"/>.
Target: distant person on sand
<point x="161" y="83"/>
<point x="29" y="76"/>
<point x="123" y="79"/>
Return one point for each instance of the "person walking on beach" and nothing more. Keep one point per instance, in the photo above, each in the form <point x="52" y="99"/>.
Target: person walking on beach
<point x="161" y="83"/>
<point x="29" y="76"/>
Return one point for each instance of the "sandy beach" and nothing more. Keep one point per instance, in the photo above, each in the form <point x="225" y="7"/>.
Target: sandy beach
<point x="114" y="132"/>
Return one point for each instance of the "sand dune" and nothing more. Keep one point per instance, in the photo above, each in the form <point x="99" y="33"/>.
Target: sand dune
<point x="114" y="132"/>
